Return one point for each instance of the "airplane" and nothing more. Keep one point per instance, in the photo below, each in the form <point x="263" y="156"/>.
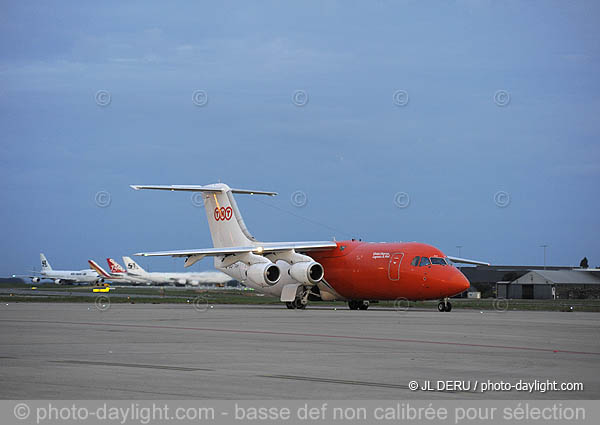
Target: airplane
<point x="194" y="279"/>
<point x="65" y="276"/>
<point x="353" y="271"/>
<point x="120" y="277"/>
<point x="115" y="267"/>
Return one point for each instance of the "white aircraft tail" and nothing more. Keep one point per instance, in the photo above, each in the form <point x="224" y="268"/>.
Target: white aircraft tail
<point x="45" y="264"/>
<point x="133" y="267"/>
<point x="227" y="227"/>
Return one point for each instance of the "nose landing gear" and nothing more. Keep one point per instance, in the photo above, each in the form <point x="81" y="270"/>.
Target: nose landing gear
<point x="444" y="305"/>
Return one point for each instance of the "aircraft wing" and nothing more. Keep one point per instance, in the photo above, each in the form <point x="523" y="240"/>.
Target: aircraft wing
<point x="203" y="252"/>
<point x="40" y="277"/>
<point x="35" y="274"/>
<point x="467" y="261"/>
<point x="26" y="276"/>
<point x="257" y="249"/>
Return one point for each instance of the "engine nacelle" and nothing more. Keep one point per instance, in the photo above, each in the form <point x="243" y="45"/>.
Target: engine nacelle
<point x="57" y="281"/>
<point x="182" y="281"/>
<point x="307" y="272"/>
<point x="264" y="274"/>
<point x="35" y="279"/>
<point x="195" y="282"/>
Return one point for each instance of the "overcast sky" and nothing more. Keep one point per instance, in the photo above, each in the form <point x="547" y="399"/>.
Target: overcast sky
<point x="470" y="123"/>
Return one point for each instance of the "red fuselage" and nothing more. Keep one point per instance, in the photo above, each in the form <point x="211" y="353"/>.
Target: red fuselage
<point x="388" y="271"/>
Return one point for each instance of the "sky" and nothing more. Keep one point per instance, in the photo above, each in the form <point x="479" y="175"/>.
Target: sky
<point x="454" y="123"/>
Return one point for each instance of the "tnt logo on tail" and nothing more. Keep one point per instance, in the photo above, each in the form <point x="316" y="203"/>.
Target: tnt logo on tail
<point x="223" y="214"/>
<point x="114" y="266"/>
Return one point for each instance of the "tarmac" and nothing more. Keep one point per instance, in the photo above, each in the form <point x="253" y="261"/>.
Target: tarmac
<point x="146" y="351"/>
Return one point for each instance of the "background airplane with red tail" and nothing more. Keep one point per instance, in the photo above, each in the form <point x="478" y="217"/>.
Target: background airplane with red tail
<point x="116" y="274"/>
<point x="354" y="271"/>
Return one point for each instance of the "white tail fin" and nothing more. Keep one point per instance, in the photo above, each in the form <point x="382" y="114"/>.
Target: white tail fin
<point x="132" y="266"/>
<point x="45" y="264"/>
<point x="114" y="266"/>
<point x="227" y="228"/>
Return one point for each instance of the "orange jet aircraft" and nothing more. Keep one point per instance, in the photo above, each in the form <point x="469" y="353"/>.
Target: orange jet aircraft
<point x="296" y="272"/>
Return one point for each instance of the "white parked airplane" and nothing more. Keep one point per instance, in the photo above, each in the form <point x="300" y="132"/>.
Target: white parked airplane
<point x="134" y="270"/>
<point x="65" y="276"/>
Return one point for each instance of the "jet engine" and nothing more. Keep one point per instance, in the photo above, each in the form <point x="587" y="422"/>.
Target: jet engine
<point x="35" y="279"/>
<point x="264" y="274"/>
<point x="57" y="281"/>
<point x="307" y="272"/>
<point x="195" y="282"/>
<point x="182" y="281"/>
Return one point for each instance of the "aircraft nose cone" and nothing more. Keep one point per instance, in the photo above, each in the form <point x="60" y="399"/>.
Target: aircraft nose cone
<point x="459" y="282"/>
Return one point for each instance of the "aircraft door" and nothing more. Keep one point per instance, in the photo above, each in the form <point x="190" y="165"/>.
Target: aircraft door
<point x="394" y="266"/>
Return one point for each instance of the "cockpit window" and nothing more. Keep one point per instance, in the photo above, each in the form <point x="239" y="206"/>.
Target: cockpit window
<point x="424" y="262"/>
<point x="415" y="261"/>
<point x="438" y="260"/>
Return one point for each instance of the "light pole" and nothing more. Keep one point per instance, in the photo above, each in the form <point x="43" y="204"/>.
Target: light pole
<point x="544" y="246"/>
<point x="459" y="247"/>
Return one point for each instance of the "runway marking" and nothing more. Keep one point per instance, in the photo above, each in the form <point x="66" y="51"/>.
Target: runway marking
<point x="314" y="335"/>
<point x="349" y="382"/>
<point x="336" y="381"/>
<point x="145" y="366"/>
<point x="110" y="389"/>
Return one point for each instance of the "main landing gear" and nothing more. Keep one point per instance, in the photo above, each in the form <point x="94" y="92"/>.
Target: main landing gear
<point x="297" y="303"/>
<point x="300" y="302"/>
<point x="358" y="305"/>
<point x="444" y="305"/>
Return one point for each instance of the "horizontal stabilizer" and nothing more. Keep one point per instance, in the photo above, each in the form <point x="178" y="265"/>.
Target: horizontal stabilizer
<point x="196" y="188"/>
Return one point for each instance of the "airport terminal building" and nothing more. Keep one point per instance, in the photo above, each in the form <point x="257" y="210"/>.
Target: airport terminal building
<point x="525" y="282"/>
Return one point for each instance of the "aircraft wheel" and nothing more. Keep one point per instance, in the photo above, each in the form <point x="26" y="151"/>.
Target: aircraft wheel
<point x="290" y="305"/>
<point x="448" y="306"/>
<point x="363" y="305"/>
<point x="298" y="304"/>
<point x="353" y="305"/>
<point x="441" y="307"/>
